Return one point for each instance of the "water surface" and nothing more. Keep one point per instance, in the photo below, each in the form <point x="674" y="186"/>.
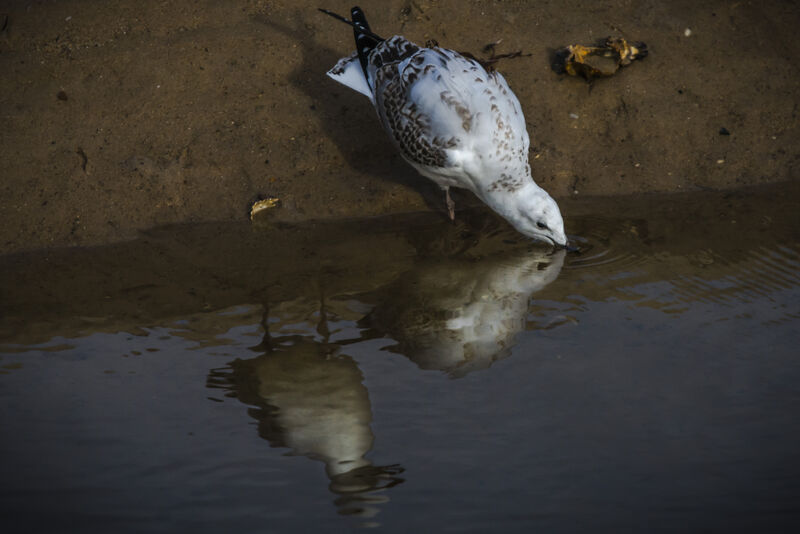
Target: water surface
<point x="410" y="373"/>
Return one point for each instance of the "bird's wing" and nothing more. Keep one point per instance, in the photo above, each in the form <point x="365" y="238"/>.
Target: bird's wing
<point x="442" y="107"/>
<point x="348" y="72"/>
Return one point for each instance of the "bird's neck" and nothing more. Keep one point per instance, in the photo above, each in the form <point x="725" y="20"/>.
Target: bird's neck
<point x="506" y="197"/>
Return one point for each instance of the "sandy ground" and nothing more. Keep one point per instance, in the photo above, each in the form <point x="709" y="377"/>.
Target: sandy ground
<point x="119" y="115"/>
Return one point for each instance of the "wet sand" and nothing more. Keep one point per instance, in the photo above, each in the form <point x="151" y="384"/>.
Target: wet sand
<point x="183" y="269"/>
<point x="121" y="116"/>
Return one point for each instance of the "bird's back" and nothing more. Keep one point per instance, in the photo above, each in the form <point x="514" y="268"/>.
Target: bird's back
<point x="447" y="114"/>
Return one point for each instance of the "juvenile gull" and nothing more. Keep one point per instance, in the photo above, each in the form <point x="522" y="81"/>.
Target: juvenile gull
<point x="455" y="122"/>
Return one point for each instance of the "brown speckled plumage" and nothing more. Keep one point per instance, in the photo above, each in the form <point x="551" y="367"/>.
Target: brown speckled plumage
<point x="397" y="65"/>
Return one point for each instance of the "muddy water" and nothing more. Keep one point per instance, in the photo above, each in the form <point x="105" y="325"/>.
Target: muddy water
<point x="409" y="373"/>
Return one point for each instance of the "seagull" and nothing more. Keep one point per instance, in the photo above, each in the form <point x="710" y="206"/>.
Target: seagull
<point x="454" y="121"/>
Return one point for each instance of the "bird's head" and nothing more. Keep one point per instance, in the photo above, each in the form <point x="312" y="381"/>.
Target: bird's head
<point x="537" y="215"/>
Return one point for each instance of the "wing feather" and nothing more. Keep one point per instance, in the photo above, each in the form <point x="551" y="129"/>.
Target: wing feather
<point x="348" y="72"/>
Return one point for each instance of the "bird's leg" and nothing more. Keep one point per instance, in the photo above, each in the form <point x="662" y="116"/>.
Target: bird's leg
<point x="451" y="206"/>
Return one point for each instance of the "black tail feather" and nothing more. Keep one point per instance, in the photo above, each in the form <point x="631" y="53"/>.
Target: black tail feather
<point x="366" y="41"/>
<point x="364" y="44"/>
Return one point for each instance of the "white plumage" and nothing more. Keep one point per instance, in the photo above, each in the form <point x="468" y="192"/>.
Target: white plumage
<point x="455" y="122"/>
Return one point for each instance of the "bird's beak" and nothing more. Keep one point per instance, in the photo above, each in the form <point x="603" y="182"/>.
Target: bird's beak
<point x="570" y="248"/>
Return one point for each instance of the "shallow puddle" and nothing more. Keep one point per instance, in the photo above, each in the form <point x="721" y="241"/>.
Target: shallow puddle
<point x="410" y="373"/>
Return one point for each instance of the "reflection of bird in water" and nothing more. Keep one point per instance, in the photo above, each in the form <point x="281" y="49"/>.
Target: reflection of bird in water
<point x="455" y="122"/>
<point x="313" y="402"/>
<point x="459" y="315"/>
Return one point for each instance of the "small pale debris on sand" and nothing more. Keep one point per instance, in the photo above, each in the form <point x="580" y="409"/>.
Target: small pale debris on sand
<point x="263" y="205"/>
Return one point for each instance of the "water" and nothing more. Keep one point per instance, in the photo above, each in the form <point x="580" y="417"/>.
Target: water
<point x="411" y="374"/>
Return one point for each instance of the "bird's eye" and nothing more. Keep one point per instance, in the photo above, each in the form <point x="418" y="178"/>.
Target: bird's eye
<point x="541" y="225"/>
